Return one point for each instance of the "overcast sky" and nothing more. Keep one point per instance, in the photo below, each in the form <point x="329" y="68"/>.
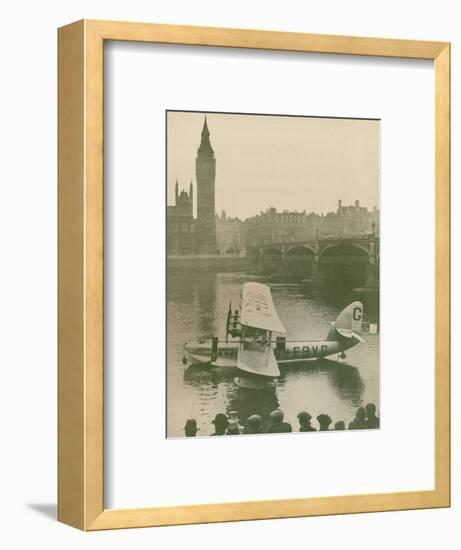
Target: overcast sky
<point x="294" y="163"/>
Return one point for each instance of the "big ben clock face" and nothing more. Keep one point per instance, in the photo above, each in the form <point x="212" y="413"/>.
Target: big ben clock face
<point x="284" y="239"/>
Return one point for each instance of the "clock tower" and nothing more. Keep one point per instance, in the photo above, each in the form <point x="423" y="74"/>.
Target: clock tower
<point x="205" y="172"/>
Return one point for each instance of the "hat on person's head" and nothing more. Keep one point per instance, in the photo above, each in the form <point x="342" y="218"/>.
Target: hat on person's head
<point x="221" y="420"/>
<point x="304" y="416"/>
<point x="276" y="416"/>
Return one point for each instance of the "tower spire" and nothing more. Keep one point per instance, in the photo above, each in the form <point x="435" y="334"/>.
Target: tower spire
<point x="205" y="145"/>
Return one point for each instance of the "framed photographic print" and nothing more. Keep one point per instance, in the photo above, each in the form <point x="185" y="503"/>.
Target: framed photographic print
<point x="256" y="248"/>
<point x="252" y="242"/>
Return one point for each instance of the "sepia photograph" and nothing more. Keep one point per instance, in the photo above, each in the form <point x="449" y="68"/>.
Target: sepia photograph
<point x="272" y="274"/>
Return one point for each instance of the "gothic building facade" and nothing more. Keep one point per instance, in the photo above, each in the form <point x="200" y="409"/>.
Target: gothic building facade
<point x="186" y="234"/>
<point x="181" y="225"/>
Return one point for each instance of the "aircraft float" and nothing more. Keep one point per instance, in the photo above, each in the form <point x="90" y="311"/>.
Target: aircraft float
<point x="256" y="354"/>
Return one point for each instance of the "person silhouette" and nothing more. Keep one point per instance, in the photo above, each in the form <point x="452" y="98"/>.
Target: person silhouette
<point x="324" y="422"/>
<point x="360" y="420"/>
<point x="220" y="424"/>
<point x="277" y="425"/>
<point x="233" y="428"/>
<point x="190" y="429"/>
<point x="304" y="419"/>
<point x="253" y="425"/>
<point x="372" y="419"/>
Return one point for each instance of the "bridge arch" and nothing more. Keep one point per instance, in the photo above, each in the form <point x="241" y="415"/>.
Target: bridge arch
<point x="301" y="246"/>
<point x="271" y="260"/>
<point x="344" y="264"/>
<point x="348" y="248"/>
<point x="299" y="259"/>
<point x="253" y="256"/>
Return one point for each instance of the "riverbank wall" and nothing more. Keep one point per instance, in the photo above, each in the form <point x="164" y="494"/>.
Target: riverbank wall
<point x="208" y="262"/>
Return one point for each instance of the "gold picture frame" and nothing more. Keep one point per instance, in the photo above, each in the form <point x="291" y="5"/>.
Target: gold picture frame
<point x="81" y="269"/>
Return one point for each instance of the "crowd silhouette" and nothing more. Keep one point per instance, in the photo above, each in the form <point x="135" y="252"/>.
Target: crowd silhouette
<point x="366" y="418"/>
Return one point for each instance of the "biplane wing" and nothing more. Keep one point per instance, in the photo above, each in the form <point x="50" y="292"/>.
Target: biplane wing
<point x="258" y="309"/>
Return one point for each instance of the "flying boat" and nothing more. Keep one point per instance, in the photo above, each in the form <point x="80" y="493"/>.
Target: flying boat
<point x="258" y="345"/>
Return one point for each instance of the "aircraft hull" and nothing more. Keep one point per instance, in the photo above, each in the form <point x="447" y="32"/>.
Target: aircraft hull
<point x="291" y="353"/>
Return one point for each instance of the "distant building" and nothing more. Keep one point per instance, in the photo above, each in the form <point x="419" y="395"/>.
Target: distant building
<point x="228" y="234"/>
<point x="181" y="225"/>
<point x="272" y="226"/>
<point x="355" y="220"/>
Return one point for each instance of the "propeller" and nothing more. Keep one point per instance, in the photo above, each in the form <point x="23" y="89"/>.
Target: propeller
<point x="229" y="315"/>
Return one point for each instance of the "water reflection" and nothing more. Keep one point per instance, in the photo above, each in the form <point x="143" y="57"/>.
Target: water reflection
<point x="243" y="403"/>
<point x="206" y="295"/>
<point x="197" y="305"/>
<point x="344" y="379"/>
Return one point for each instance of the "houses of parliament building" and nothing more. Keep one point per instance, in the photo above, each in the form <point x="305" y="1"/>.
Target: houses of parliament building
<point x="209" y="234"/>
<point x="186" y="234"/>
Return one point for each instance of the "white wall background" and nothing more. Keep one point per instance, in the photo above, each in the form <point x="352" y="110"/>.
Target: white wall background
<point x="135" y="153"/>
<point x="28" y="275"/>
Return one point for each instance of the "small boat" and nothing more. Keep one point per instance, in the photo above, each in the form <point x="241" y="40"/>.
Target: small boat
<point x="256" y="354"/>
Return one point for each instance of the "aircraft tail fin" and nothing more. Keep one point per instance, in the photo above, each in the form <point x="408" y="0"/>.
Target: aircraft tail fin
<point x="349" y="322"/>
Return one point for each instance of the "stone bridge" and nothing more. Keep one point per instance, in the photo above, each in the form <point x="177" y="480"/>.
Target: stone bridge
<point x="355" y="259"/>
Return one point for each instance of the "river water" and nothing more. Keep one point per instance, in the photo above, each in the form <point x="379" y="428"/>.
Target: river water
<point x="197" y="305"/>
